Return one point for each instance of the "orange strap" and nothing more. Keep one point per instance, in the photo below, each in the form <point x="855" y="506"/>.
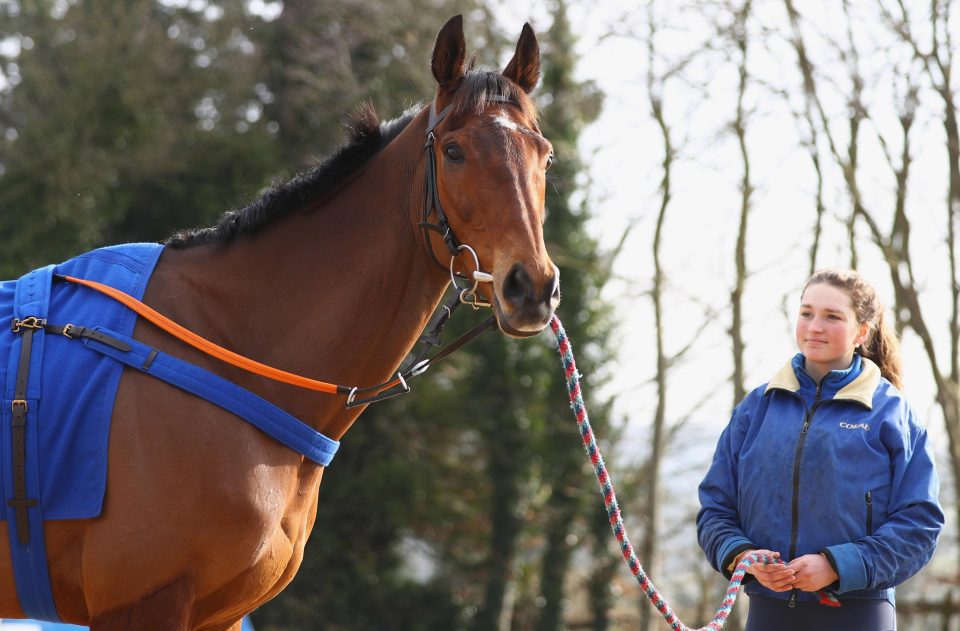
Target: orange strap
<point x="209" y="347"/>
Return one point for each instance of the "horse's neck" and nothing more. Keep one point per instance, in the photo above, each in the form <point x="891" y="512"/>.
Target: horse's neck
<point x="339" y="293"/>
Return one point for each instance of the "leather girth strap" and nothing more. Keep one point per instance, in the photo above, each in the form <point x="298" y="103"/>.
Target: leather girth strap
<point x="20" y="502"/>
<point x="22" y="506"/>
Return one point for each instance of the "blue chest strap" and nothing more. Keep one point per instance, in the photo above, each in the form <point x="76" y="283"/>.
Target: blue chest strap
<point x="268" y="418"/>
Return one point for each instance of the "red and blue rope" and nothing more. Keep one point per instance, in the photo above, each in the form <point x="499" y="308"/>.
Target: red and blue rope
<point x="613" y="510"/>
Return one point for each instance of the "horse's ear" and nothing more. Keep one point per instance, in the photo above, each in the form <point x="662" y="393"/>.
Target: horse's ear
<point x="449" y="53"/>
<point x="524" y="68"/>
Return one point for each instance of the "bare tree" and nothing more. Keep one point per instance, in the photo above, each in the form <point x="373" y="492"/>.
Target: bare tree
<point x="740" y="40"/>
<point x="894" y="242"/>
<point x="938" y="58"/>
<point x="662" y="431"/>
<point x="648" y="546"/>
<point x="871" y="221"/>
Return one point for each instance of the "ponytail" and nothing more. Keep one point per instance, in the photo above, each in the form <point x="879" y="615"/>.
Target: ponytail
<point x="883" y="348"/>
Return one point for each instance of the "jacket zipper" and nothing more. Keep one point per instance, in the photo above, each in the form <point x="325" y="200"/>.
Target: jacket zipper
<point x="795" y="512"/>
<point x="869" y="498"/>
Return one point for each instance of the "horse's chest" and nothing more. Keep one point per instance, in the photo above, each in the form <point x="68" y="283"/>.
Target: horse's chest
<point x="280" y="553"/>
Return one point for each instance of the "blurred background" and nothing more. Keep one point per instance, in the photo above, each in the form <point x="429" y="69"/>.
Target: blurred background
<point x="711" y="154"/>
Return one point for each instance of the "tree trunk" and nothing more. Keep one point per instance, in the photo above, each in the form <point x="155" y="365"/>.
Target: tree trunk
<point x="504" y="473"/>
<point x="650" y="517"/>
<point x="556" y="559"/>
<point x="598" y="585"/>
<point x="746" y="189"/>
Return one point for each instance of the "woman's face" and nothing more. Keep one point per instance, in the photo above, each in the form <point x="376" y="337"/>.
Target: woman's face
<point x="827" y="329"/>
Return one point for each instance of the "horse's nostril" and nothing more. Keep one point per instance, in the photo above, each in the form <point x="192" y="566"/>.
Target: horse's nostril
<point x="516" y="286"/>
<point x="552" y="288"/>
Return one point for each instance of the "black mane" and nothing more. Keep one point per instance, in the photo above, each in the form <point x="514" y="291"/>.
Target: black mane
<point x="368" y="136"/>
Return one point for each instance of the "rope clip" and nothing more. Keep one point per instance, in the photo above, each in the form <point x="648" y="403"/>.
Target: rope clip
<point x="32" y="322"/>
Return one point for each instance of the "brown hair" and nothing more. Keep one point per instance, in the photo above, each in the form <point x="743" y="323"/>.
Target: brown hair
<point x="882" y="345"/>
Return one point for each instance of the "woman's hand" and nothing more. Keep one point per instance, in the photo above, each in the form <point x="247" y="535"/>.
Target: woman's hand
<point x="812" y="572"/>
<point x="774" y="576"/>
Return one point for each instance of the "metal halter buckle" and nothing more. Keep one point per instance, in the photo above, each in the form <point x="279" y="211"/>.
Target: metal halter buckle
<point x="469" y="296"/>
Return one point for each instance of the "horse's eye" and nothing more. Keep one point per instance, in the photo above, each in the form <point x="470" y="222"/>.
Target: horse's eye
<point x="454" y="152"/>
<point x="550" y="160"/>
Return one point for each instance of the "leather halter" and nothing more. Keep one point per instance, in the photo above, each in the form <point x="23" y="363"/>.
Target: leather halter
<point x="431" y="195"/>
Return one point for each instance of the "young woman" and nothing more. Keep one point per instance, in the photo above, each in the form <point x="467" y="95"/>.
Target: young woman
<point x="826" y="468"/>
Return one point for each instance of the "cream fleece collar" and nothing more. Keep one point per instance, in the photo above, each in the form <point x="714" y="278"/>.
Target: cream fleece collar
<point x="860" y="390"/>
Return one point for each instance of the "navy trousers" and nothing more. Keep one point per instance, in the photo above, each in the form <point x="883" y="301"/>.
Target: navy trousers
<point x="773" y="614"/>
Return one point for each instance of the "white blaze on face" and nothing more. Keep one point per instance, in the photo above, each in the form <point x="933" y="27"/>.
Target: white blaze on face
<point x="513" y="150"/>
<point x="505" y="122"/>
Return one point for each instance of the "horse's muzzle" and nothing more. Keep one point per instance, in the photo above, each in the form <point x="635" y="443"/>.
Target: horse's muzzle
<point x="526" y="305"/>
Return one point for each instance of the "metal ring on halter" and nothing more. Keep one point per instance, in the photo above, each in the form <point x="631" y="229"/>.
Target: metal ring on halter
<point x="476" y="261"/>
<point x="469" y="296"/>
<point x="352" y="395"/>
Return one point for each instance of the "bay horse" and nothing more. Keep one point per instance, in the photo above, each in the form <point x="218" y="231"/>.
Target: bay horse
<point x="332" y="274"/>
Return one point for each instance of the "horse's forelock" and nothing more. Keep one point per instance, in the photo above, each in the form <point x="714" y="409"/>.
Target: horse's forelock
<point x="479" y="87"/>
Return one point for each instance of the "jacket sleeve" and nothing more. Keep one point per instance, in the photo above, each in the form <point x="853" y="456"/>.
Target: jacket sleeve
<point x="906" y="540"/>
<point x="718" y="522"/>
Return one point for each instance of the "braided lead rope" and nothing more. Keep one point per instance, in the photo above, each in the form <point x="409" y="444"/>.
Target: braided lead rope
<point x="616" y="521"/>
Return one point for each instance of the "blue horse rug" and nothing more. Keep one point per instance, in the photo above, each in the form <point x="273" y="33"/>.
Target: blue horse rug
<point x="60" y="365"/>
<point x="71" y="386"/>
<point x="59" y="393"/>
<point x="69" y="400"/>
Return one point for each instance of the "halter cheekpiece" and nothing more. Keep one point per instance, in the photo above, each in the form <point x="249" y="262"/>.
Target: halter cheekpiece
<point x="431" y="196"/>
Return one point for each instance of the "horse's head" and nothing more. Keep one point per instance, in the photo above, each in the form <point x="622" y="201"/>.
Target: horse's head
<point x="490" y="163"/>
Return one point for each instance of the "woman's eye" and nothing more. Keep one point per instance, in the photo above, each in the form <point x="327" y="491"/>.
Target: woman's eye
<point x="454" y="153"/>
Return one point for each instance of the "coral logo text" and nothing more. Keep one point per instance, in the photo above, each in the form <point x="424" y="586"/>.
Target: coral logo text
<point x="863" y="426"/>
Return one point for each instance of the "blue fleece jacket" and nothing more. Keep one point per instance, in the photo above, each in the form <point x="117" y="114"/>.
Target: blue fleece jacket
<point x="841" y="468"/>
